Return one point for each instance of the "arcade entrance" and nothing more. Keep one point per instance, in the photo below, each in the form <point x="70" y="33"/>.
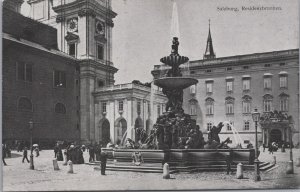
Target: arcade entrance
<point x="276" y="136"/>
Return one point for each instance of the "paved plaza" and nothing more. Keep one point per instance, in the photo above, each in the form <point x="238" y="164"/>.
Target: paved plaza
<point x="18" y="177"/>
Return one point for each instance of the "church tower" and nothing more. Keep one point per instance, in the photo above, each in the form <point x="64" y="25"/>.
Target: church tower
<point x="84" y="30"/>
<point x="209" y="51"/>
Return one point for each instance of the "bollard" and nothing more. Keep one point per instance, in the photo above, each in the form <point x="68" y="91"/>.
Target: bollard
<point x="65" y="160"/>
<point x="298" y="162"/>
<point x="239" y="171"/>
<point x="166" y="172"/>
<point x="274" y="160"/>
<point x="290" y="168"/>
<point x="55" y="165"/>
<point x="70" y="166"/>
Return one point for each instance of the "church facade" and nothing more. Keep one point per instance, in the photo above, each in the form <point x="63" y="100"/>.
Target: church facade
<point x="79" y="35"/>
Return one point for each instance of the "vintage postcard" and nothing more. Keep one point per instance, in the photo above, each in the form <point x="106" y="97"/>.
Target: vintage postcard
<point x="124" y="95"/>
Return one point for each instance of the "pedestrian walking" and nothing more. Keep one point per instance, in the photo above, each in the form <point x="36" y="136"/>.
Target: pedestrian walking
<point x="56" y="149"/>
<point x="37" y="151"/>
<point x="270" y="149"/>
<point x="264" y="147"/>
<point x="92" y="153"/>
<point x="25" y="155"/>
<point x="3" y="154"/>
<point x="228" y="164"/>
<point x="103" y="159"/>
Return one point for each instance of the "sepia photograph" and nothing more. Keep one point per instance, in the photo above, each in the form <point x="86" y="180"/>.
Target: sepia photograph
<point x="150" y="95"/>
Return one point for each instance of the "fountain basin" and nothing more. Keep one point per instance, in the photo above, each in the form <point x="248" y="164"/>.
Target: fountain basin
<point x="175" y="82"/>
<point x="186" y="157"/>
<point x="174" y="60"/>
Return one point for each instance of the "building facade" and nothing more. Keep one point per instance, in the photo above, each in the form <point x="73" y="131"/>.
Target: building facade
<point x="120" y="109"/>
<point x="230" y="88"/>
<point x="40" y="83"/>
<point x="84" y="31"/>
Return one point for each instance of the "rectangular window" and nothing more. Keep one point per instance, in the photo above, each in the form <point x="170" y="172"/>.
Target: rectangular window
<point x="267" y="65"/>
<point x="59" y="78"/>
<point x="283" y="105"/>
<point x="246" y="125"/>
<point x="267" y="105"/>
<point x="229" y="108"/>
<point x="209" y="109"/>
<point x="193" y="89"/>
<point x="229" y="128"/>
<point x="246" y="107"/>
<point x="282" y="64"/>
<point x="24" y="72"/>
<point x="209" y="87"/>
<point x="209" y="126"/>
<point x="138" y="107"/>
<point x="120" y="105"/>
<point x="283" y="82"/>
<point x="104" y="107"/>
<point x="229" y="86"/>
<point x="158" y="110"/>
<point x="193" y="110"/>
<point x="100" y="52"/>
<point x="72" y="49"/>
<point x="246" y="84"/>
<point x="267" y="83"/>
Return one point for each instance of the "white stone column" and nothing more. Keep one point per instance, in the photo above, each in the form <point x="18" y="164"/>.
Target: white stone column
<point x="112" y="119"/>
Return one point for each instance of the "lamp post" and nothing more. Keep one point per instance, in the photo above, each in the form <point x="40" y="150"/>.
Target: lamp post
<point x="255" y="116"/>
<point x="290" y="168"/>
<point x="31" y="149"/>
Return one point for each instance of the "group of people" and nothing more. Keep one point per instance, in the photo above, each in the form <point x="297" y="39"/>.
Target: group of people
<point x="72" y="152"/>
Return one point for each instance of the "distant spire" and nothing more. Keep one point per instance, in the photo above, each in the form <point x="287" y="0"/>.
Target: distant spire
<point x="209" y="51"/>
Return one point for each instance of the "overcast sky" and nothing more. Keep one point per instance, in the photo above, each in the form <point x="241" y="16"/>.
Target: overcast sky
<point x="141" y="35"/>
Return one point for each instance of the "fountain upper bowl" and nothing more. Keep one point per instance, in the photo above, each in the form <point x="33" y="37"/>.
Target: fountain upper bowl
<point x="175" y="82"/>
<point x="174" y="60"/>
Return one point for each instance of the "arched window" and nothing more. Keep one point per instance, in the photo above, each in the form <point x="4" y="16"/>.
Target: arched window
<point x="24" y="104"/>
<point x="284" y="102"/>
<point x="193" y="106"/>
<point x="267" y="101"/>
<point x="209" y="104"/>
<point x="246" y="103"/>
<point x="229" y="102"/>
<point x="60" y="108"/>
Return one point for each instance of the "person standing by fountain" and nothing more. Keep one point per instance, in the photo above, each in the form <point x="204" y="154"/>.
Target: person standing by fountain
<point x="103" y="159"/>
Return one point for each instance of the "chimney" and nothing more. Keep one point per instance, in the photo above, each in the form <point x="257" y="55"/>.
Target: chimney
<point x="14" y="5"/>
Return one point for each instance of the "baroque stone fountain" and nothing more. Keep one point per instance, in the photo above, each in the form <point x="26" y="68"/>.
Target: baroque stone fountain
<point x="175" y="137"/>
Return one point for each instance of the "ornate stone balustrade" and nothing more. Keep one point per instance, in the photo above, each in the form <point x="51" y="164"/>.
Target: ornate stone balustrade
<point x="126" y="86"/>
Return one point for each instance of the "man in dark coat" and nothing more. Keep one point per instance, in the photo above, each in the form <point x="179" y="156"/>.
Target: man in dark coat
<point x="92" y="153"/>
<point x="25" y="155"/>
<point x="103" y="159"/>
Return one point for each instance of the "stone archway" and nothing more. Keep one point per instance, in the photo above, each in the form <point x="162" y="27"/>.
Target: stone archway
<point x="138" y="124"/>
<point x="275" y="136"/>
<point x="120" y="130"/>
<point x="105" y="131"/>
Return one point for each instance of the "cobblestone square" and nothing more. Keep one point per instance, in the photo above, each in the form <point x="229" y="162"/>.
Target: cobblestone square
<point x="18" y="177"/>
